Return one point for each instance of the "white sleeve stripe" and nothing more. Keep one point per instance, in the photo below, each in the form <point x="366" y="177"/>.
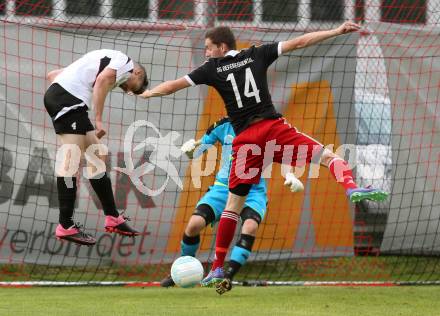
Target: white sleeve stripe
<point x="280" y="48"/>
<point x="190" y="81"/>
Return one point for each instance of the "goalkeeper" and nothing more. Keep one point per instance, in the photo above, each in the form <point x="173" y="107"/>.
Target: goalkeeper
<point x="212" y="204"/>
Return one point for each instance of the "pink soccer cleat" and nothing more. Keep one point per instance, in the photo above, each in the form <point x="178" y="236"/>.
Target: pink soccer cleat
<point x="74" y="234"/>
<point x="119" y="226"/>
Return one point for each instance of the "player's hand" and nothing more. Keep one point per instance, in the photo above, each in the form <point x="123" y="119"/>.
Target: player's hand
<point x="293" y="183"/>
<point x="348" y="27"/>
<point x="99" y="131"/>
<point x="145" y="95"/>
<point x="189" y="146"/>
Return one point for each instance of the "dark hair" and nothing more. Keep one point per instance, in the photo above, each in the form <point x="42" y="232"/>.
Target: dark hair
<point x="145" y="82"/>
<point x="221" y="34"/>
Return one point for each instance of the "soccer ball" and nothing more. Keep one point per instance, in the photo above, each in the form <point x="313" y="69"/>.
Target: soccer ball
<point x="187" y="271"/>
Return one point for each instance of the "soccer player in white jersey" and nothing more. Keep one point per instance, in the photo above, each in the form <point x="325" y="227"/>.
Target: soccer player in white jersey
<point x="73" y="90"/>
<point x="241" y="80"/>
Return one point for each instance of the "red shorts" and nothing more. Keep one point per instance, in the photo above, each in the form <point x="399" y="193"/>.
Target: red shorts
<point x="267" y="141"/>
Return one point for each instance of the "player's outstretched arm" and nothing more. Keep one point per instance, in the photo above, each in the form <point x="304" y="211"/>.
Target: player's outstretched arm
<point x="316" y="37"/>
<point x="166" y="88"/>
<point x="103" y="85"/>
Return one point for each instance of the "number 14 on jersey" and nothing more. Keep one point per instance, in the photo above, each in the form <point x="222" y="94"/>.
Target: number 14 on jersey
<point x="249" y="84"/>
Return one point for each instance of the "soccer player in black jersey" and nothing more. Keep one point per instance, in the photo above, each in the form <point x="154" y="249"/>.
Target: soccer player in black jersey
<point x="73" y="90"/>
<point x="240" y="77"/>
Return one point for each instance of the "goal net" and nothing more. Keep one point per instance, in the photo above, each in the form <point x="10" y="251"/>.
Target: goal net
<point x="372" y="95"/>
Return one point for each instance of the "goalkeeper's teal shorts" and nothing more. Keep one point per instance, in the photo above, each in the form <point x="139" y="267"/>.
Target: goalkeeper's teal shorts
<point x="217" y="196"/>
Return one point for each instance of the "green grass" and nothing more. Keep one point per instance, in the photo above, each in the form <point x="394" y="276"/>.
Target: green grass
<point x="374" y="268"/>
<point x="358" y="301"/>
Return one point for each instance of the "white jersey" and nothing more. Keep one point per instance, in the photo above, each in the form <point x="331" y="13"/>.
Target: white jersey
<point x="79" y="77"/>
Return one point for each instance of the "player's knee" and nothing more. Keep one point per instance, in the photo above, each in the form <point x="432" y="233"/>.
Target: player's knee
<point x="195" y="225"/>
<point x="327" y="156"/>
<point x="95" y="155"/>
<point x="202" y="216"/>
<point x="250" y="227"/>
<point x="251" y="220"/>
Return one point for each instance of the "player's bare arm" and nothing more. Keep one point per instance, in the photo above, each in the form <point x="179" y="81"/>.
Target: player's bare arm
<point x="103" y="85"/>
<point x="166" y="88"/>
<point x="51" y="75"/>
<point x="316" y="37"/>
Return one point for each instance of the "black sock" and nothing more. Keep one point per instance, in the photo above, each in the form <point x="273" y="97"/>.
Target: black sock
<point x="66" y="197"/>
<point x="245" y="242"/>
<point x="191" y="240"/>
<point x="233" y="269"/>
<point x="103" y="188"/>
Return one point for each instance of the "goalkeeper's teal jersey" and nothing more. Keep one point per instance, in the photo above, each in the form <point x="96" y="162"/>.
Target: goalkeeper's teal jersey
<point x="223" y="132"/>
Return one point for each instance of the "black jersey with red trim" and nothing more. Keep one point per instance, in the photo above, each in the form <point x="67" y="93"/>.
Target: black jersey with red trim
<point x="241" y="80"/>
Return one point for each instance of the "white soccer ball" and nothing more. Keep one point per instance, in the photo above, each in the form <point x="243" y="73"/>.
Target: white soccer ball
<point x="187" y="271"/>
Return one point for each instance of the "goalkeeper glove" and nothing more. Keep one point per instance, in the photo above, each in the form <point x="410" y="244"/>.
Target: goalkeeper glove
<point x="293" y="182"/>
<point x="189" y="146"/>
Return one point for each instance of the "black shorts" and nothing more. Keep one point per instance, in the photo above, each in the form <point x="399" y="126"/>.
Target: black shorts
<point x="68" y="113"/>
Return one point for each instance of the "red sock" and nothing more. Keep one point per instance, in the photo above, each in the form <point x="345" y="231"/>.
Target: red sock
<point x="341" y="171"/>
<point x="225" y="234"/>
